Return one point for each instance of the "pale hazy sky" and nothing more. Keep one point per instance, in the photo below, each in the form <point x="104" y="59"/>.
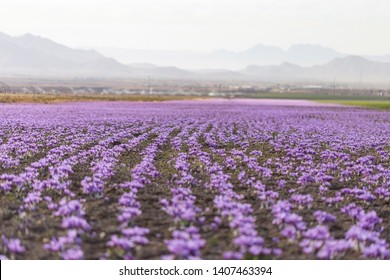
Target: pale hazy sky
<point x="351" y="26"/>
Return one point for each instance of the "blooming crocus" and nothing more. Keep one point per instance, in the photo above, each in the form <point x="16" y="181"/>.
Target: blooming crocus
<point x="185" y="244"/>
<point x="74" y="222"/>
<point x="323" y="217"/>
<point x="13" y="245"/>
<point x="73" y="254"/>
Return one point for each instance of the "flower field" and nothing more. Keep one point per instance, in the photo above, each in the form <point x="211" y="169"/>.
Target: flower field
<point x="193" y="180"/>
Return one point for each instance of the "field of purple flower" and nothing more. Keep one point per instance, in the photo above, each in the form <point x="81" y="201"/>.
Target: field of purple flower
<point x="193" y="180"/>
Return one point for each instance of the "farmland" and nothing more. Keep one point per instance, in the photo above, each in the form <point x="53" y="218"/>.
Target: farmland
<point x="364" y="100"/>
<point x="61" y="98"/>
<point x="205" y="179"/>
<point x="373" y="104"/>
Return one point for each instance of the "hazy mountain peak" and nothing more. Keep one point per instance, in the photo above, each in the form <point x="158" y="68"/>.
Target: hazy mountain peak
<point x="353" y="57"/>
<point x="4" y="36"/>
<point x="50" y="47"/>
<point x="262" y="47"/>
<point x="313" y="49"/>
<point x="30" y="35"/>
<point x="350" y="59"/>
<point x="35" y="41"/>
<point x="288" y="64"/>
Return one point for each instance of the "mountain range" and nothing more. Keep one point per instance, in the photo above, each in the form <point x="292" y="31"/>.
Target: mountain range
<point x="303" y="55"/>
<point x="31" y="55"/>
<point x="300" y="54"/>
<point x="349" y="69"/>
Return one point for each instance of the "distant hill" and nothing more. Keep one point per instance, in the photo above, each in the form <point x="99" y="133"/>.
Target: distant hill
<point x="49" y="47"/>
<point x="31" y="54"/>
<point x="348" y="69"/>
<point x="379" y="58"/>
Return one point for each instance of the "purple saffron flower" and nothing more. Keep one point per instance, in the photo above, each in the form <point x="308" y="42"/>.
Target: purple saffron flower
<point x="13" y="245"/>
<point x="229" y="255"/>
<point x="73" y="254"/>
<point x="74" y="222"/>
<point x="324" y="217"/>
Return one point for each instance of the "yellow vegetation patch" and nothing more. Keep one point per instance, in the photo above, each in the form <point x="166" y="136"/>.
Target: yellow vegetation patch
<point x="50" y="98"/>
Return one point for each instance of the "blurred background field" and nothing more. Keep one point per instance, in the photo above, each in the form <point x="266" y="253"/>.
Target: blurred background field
<point x="374" y="104"/>
<point x="51" y="98"/>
